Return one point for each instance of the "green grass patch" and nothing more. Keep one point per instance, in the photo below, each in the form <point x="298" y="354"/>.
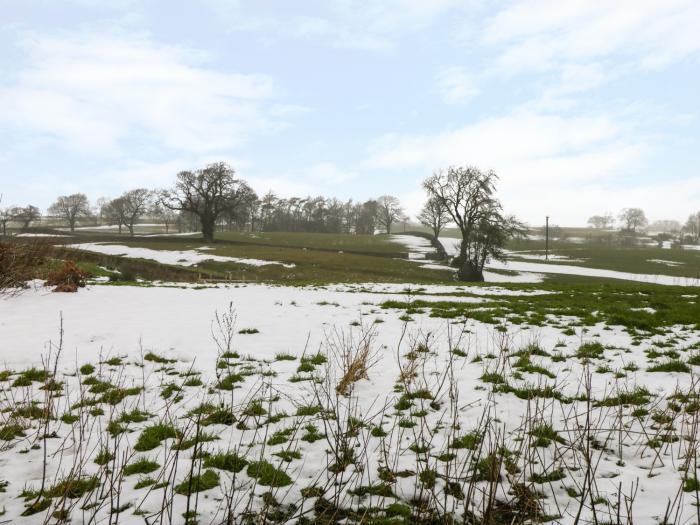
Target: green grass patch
<point x="268" y="475"/>
<point x="141" y="466"/>
<point x="205" y="481"/>
<point x="670" y="366"/>
<point x="153" y="435"/>
<point x="228" y="461"/>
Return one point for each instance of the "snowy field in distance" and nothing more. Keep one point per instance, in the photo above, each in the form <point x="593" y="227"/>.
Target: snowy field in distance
<point x="174" y="257"/>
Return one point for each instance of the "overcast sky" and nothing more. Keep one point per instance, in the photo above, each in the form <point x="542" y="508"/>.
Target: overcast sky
<point x="582" y="107"/>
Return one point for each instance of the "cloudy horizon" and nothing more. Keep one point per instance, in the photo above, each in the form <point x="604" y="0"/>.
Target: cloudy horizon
<point x="581" y="107"/>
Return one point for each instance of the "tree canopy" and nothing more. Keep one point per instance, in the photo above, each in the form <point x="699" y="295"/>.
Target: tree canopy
<point x="469" y="197"/>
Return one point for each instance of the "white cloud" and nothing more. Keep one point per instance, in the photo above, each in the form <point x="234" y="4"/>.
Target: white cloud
<point x="509" y="140"/>
<point x="535" y="35"/>
<point x="455" y="85"/>
<point x="327" y="173"/>
<point x="93" y="94"/>
<point x="534" y="154"/>
<point x="571" y="205"/>
<point x="322" y="178"/>
<point x="370" y="25"/>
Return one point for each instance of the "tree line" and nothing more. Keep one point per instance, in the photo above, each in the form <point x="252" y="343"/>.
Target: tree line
<point x="634" y="220"/>
<point x="213" y="198"/>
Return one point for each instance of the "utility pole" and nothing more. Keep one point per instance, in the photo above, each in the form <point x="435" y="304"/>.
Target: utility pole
<point x="546" y="239"/>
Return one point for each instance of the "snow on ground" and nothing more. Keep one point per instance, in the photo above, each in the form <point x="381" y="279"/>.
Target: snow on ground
<point x="665" y="262"/>
<point x="107" y="321"/>
<point x="519" y="277"/>
<point x="418" y="246"/>
<point x="436" y="289"/>
<point x="113" y="227"/>
<point x="525" y="254"/>
<point x="175" y="257"/>
<point x="593" y="272"/>
<point x="112" y="319"/>
<point x="171" y="234"/>
<point x="452" y="248"/>
<point x="494" y="277"/>
<point x="451" y="245"/>
<point x="40" y="235"/>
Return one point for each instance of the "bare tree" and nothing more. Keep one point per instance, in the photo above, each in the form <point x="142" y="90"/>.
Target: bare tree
<point x="692" y="227"/>
<point x="366" y="218"/>
<point x="665" y="226"/>
<point x="468" y="194"/>
<point x="601" y="222"/>
<point x="5" y="217"/>
<point x="99" y="208"/>
<point x="135" y="203"/>
<point x="389" y="211"/>
<point x="241" y="210"/>
<point x="114" y="213"/>
<point x="25" y="215"/>
<point x="632" y="219"/>
<point x="163" y="214"/>
<point x="71" y="208"/>
<point x="206" y="193"/>
<point x="434" y="215"/>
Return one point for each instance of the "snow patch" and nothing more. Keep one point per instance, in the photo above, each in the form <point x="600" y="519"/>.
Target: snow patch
<point x="174" y="257"/>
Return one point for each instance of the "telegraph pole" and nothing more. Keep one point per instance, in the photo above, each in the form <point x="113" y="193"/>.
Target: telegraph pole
<point x="546" y="239"/>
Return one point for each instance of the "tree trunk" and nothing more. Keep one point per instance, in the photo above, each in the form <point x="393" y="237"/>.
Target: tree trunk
<point x="468" y="272"/>
<point x="208" y="229"/>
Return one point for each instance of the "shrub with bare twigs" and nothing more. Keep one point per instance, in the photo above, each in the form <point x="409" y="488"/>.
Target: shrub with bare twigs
<point x="68" y="278"/>
<point x="19" y="263"/>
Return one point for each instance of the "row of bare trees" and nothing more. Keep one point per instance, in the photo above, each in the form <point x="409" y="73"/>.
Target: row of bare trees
<point x="631" y="220"/>
<point x="634" y="220"/>
<point x="214" y="198"/>
<point x="24" y="215"/>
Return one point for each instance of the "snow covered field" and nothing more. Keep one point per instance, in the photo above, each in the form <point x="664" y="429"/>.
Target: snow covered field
<point x="176" y="257"/>
<point x="40" y="235"/>
<point x="526" y="269"/>
<point x="440" y="400"/>
<point x="419" y="247"/>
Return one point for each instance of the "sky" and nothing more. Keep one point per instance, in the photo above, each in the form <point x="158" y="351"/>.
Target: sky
<point x="582" y="107"/>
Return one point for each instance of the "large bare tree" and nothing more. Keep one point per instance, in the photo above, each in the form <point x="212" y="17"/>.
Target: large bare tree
<point x="135" y="204"/>
<point x="167" y="216"/>
<point x="468" y="195"/>
<point x="633" y="219"/>
<point x="389" y="211"/>
<point x="71" y="208"/>
<point x="114" y="213"/>
<point x="601" y="222"/>
<point x="25" y="215"/>
<point x="434" y="215"/>
<point x="206" y="193"/>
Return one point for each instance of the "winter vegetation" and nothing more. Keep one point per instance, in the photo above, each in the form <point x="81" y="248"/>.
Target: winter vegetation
<point x="272" y="373"/>
<point x="397" y="262"/>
